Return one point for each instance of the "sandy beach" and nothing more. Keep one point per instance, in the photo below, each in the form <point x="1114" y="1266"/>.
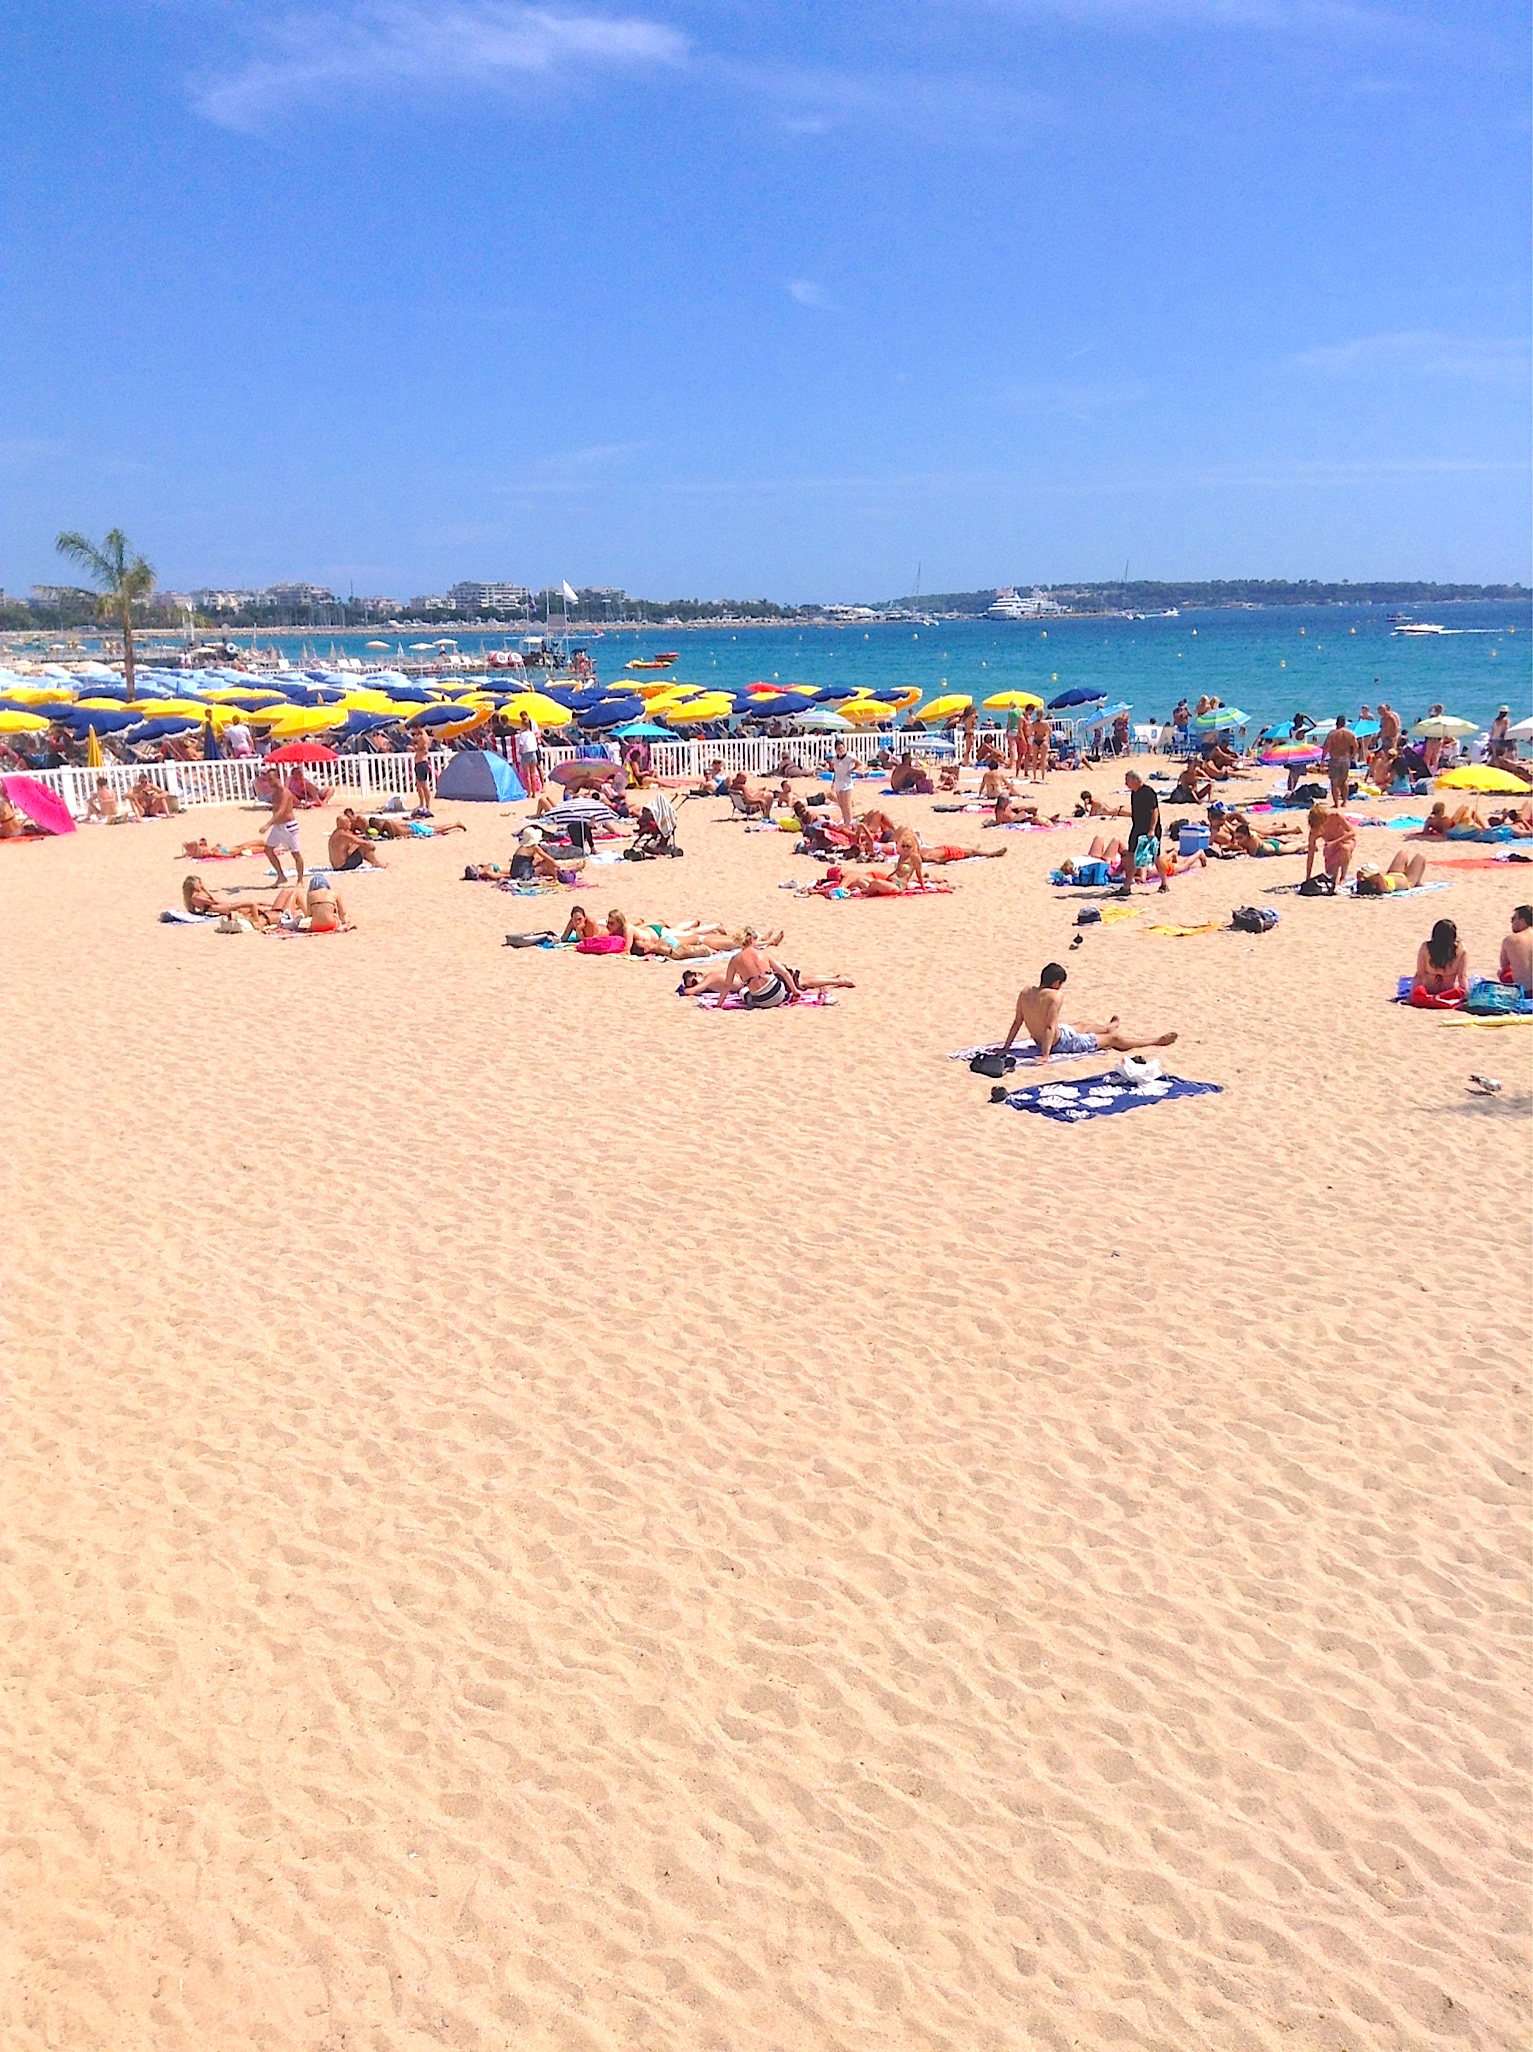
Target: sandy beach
<point x="535" y="1514"/>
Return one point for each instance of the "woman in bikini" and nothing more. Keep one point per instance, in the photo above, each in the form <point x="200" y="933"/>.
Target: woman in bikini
<point x="196" y="897"/>
<point x="1403" y="874"/>
<point x="1442" y="968"/>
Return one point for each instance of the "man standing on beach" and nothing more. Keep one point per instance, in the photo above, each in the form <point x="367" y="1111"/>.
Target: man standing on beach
<point x="1143" y="848"/>
<point x="1340" y="754"/>
<point x="282" y="831"/>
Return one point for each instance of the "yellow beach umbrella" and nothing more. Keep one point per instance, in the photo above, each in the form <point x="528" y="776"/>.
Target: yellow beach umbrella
<point x="92" y="750"/>
<point x="864" y="712"/>
<point x="305" y="719"/>
<point x="22" y="723"/>
<point x="944" y="708"/>
<point x="242" y="694"/>
<point x="1013" y="701"/>
<point x="1481" y="776"/>
<point x="35" y="694"/>
<point x="85" y="704"/>
<point x="710" y="705"/>
<point x="547" y="712"/>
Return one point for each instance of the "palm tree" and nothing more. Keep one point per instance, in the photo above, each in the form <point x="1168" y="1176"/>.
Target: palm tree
<point x="125" y="580"/>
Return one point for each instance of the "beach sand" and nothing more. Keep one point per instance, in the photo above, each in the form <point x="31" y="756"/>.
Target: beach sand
<point x="538" y="1515"/>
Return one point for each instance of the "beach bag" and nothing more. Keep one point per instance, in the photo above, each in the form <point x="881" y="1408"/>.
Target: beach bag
<point x="1315" y="887"/>
<point x="992" y="1064"/>
<point x="1488" y="1000"/>
<point x="1088" y="916"/>
<point x="1137" y="1070"/>
<point x="1253" y="919"/>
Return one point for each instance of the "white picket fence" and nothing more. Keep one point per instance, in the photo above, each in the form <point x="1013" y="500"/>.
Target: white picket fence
<point x="367" y="779"/>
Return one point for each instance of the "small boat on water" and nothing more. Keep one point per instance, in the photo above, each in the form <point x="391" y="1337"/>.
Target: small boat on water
<point x="1420" y="627"/>
<point x="660" y="662"/>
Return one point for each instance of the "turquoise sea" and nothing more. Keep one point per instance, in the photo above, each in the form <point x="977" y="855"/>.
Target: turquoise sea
<point x="1270" y="662"/>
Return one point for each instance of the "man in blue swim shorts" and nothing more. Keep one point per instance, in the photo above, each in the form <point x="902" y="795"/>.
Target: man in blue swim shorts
<point x="1038" y="1009"/>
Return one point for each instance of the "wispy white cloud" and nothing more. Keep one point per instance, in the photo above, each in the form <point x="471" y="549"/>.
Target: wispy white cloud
<point x="1422" y="353"/>
<point x="938" y="106"/>
<point x="425" y="45"/>
<point x="569" y="471"/>
<point x="804" y="292"/>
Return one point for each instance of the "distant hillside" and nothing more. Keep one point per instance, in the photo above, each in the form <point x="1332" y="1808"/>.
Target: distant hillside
<point x="1148" y="597"/>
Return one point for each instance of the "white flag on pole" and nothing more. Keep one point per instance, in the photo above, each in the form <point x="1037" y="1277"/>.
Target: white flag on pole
<point x="572" y="596"/>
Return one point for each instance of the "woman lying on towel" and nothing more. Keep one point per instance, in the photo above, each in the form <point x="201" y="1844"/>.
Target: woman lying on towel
<point x="205" y="851"/>
<point x="1463" y="825"/>
<point x="622" y="936"/>
<point x="196" y="897"/>
<point x="1441" y="981"/>
<point x="706" y="982"/>
<point x="1401" y="875"/>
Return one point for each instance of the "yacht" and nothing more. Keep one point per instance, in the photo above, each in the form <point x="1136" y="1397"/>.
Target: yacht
<point x="1009" y="606"/>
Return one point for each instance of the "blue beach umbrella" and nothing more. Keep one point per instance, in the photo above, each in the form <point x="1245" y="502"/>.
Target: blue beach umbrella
<point x="440" y="716"/>
<point x="643" y="730"/>
<point x="615" y="712"/>
<point x="161" y="730"/>
<point x="1078" y="694"/>
<point x="103" y="722"/>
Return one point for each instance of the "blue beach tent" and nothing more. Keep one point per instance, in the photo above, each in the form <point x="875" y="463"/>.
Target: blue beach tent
<point x="475" y="774"/>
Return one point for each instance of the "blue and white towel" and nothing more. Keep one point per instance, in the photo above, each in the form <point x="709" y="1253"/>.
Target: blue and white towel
<point x="1098" y="1097"/>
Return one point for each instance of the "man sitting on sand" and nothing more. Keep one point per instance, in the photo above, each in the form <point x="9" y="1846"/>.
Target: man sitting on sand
<point x="1333" y="836"/>
<point x="349" y="847"/>
<point x="754" y="800"/>
<point x="1517" y="951"/>
<point x="1038" y="1009"/>
<point x="908" y="776"/>
<point x="148" y="800"/>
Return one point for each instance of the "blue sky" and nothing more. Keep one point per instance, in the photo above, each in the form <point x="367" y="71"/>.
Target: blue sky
<point x="772" y="299"/>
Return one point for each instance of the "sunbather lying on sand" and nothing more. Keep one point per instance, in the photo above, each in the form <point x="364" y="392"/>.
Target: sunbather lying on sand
<point x="702" y="982"/>
<point x="1039" y="1008"/>
<point x="215" y="851"/>
<point x="1403" y="874"/>
<point x="389" y="827"/>
<point x="686" y="942"/>
<point x="196" y="897"/>
<point x="1441" y="824"/>
<point x="1019" y="812"/>
<point x="943" y="852"/>
<point x="1245" y="840"/>
<point x="1091" y="807"/>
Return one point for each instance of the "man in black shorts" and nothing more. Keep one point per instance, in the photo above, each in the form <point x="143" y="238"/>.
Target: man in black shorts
<point x="1143" y="849"/>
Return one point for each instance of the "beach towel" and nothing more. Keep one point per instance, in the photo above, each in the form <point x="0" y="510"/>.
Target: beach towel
<point x="1416" y="891"/>
<point x="1185" y="932"/>
<point x="1476" y="1004"/>
<point x="735" y="1002"/>
<point x="1518" y="1018"/>
<point x="1024" y="1053"/>
<point x="1512" y="856"/>
<point x="1099" y="1097"/>
<point x="927" y="890"/>
<point x="175" y="916"/>
<point x="1031" y="826"/>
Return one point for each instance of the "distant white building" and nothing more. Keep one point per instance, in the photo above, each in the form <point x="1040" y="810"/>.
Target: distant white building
<point x="1008" y="605"/>
<point x="850" y="614"/>
<point x="211" y="601"/>
<point x="471" y="597"/>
